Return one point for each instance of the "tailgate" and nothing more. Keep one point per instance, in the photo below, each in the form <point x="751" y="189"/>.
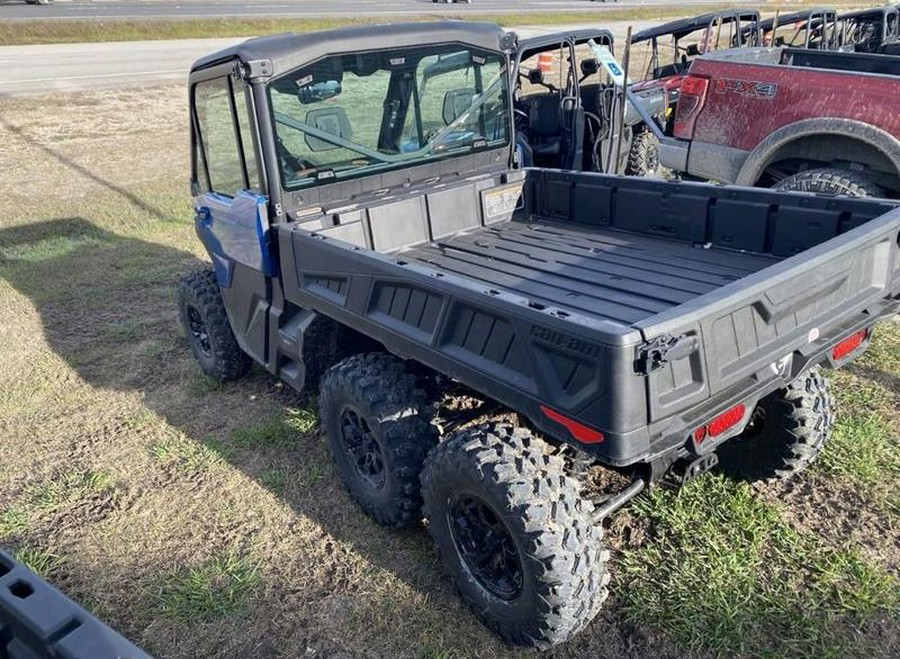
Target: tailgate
<point x="745" y="327"/>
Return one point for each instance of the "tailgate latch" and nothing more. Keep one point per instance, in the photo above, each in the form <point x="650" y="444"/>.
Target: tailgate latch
<point x="662" y="350"/>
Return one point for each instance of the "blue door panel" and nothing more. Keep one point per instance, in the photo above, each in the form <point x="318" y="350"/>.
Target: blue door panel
<point x="233" y="230"/>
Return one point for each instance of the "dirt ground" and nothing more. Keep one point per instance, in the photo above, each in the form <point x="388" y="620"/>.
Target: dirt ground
<point x="206" y="520"/>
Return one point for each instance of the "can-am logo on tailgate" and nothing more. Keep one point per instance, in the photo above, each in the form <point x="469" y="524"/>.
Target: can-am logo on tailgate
<point x="747" y="88"/>
<point x="568" y="342"/>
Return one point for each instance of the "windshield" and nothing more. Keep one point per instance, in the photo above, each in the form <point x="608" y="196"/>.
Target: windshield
<point x="352" y="115"/>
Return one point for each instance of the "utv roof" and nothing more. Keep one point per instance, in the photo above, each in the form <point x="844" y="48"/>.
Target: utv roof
<point x="599" y="35"/>
<point x="868" y="13"/>
<point x="289" y="50"/>
<point x="797" y="16"/>
<point x="685" y="26"/>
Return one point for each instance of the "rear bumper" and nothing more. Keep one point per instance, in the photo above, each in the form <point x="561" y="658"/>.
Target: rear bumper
<point x="703" y="160"/>
<point x="673" y="154"/>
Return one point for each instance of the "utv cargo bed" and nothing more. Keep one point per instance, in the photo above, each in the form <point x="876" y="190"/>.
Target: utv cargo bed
<point x="631" y="306"/>
<point x="604" y="274"/>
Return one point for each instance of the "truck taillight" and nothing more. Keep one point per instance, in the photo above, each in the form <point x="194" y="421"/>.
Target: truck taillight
<point x="722" y="423"/>
<point x="849" y="345"/>
<point x="691" y="98"/>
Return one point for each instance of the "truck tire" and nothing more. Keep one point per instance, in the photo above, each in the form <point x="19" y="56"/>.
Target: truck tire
<point x="643" y="159"/>
<point x="206" y="326"/>
<point x="514" y="533"/>
<point x="832" y="182"/>
<point x="377" y="417"/>
<point x="786" y="434"/>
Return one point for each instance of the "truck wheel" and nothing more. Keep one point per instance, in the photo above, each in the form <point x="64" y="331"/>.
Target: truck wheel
<point x="514" y="533"/>
<point x="206" y="326"/>
<point x="643" y="159"/>
<point x="378" y="420"/>
<point x="786" y="433"/>
<point x="832" y="182"/>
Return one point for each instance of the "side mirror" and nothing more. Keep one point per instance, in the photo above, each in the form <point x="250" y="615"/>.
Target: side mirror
<point x="693" y="50"/>
<point x="589" y="67"/>
<point x="318" y="91"/>
<point x="456" y="102"/>
<point x="536" y="77"/>
<point x="779" y="41"/>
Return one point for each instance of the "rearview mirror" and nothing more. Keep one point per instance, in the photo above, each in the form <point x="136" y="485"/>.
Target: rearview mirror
<point x="318" y="91"/>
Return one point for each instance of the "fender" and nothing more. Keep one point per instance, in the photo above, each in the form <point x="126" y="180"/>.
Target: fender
<point x="760" y="157"/>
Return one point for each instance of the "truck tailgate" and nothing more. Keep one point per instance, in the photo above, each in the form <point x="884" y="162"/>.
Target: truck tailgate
<point x="743" y="329"/>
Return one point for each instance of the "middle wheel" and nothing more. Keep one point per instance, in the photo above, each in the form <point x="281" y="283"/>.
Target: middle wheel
<point x="514" y="533"/>
<point x="378" y="421"/>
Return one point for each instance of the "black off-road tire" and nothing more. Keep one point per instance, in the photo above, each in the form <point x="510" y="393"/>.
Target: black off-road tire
<point x="643" y="159"/>
<point x="385" y="396"/>
<point x="832" y="182"/>
<point x="525" y="486"/>
<point x="206" y="326"/>
<point x="787" y="433"/>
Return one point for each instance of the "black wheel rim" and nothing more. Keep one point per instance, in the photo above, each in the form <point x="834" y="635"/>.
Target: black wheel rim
<point x="363" y="448"/>
<point x="486" y="546"/>
<point x="199" y="333"/>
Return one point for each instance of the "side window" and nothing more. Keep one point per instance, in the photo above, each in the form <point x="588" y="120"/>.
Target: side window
<point x="243" y="115"/>
<point x="225" y="145"/>
<point x="892" y="24"/>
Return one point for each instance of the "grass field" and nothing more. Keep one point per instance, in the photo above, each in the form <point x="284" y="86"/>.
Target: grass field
<point x="204" y="520"/>
<point x="49" y="31"/>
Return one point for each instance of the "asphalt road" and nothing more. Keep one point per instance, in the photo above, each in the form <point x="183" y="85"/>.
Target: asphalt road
<point x="81" y="9"/>
<point x="77" y="67"/>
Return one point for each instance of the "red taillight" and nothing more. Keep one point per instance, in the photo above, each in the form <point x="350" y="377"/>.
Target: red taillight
<point x="579" y="431"/>
<point x="849" y="345"/>
<point x="691" y="98"/>
<point x="725" y="421"/>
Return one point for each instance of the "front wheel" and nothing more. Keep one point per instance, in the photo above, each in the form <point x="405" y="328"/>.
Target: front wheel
<point x="206" y="326"/>
<point x="514" y="533"/>
<point x="786" y="433"/>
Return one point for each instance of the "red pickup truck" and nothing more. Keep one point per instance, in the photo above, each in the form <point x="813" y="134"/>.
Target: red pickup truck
<point x="791" y="119"/>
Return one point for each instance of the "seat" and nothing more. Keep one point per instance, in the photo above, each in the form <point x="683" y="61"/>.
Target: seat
<point x="545" y="125"/>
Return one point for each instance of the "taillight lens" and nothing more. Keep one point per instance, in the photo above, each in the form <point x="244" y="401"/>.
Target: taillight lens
<point x="691" y="98"/>
<point x="849" y="345"/>
<point x="725" y="421"/>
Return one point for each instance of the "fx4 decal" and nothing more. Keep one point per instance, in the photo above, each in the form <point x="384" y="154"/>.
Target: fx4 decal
<point x="747" y="88"/>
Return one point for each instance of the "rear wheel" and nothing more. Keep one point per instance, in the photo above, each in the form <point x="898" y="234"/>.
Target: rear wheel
<point x="206" y="326"/>
<point x="515" y="534"/>
<point x="786" y="433"/>
<point x="378" y="416"/>
<point x="832" y="182"/>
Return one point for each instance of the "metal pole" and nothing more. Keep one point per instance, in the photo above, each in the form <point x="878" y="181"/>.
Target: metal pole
<point x="775" y="26"/>
<point x="626" y="61"/>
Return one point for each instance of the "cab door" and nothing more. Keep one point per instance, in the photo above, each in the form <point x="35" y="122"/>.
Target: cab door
<point x="230" y="209"/>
